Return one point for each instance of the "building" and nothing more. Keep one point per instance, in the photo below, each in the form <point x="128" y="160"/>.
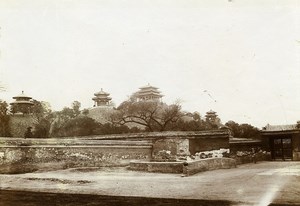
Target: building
<point x="211" y="116"/>
<point x="22" y="118"/>
<point x="283" y="141"/>
<point x="148" y="93"/>
<point x="101" y="99"/>
<point x="103" y="107"/>
<point x="22" y="104"/>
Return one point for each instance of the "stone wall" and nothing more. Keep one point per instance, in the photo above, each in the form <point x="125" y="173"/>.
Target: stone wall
<point x="258" y="157"/>
<point x="74" y="155"/>
<point x="160" y="167"/>
<point x="194" y="167"/>
<point x="89" y="154"/>
<point x="176" y="147"/>
<point x="207" y="144"/>
<point x="108" y="150"/>
<point x="181" y="144"/>
<point x="186" y="168"/>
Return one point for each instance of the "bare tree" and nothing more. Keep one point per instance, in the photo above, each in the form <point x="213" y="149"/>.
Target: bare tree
<point x="155" y="116"/>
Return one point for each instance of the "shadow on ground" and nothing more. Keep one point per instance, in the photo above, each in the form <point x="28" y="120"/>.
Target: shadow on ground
<point x="25" y="198"/>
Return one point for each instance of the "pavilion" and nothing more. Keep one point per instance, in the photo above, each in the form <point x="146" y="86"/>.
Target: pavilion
<point x="22" y="104"/>
<point x="148" y="93"/>
<point x="102" y="99"/>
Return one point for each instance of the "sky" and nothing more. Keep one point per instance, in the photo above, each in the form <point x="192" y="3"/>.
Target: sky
<point x="240" y="58"/>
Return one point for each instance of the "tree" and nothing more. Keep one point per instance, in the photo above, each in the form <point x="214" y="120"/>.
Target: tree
<point x="189" y="122"/>
<point x="78" y="126"/>
<point x="40" y="109"/>
<point x="42" y="128"/>
<point x="85" y="112"/>
<point x="23" y="108"/>
<point x="243" y="130"/>
<point x="154" y="116"/>
<point x="4" y="119"/>
<point x="61" y="123"/>
<point x="76" y="107"/>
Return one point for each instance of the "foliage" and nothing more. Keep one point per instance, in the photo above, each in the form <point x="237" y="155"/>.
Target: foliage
<point x="39" y="109"/>
<point x="24" y="108"/>
<point x="76" y="107"/>
<point x="154" y="116"/>
<point x="243" y="130"/>
<point x="42" y="112"/>
<point x="4" y="120"/>
<point x="42" y="128"/>
<point x="85" y="112"/>
<point x="78" y="126"/>
<point x="192" y="125"/>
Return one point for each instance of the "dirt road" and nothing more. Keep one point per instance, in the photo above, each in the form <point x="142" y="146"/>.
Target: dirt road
<point x="259" y="184"/>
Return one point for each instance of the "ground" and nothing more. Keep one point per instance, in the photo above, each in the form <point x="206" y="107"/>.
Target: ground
<point x="264" y="183"/>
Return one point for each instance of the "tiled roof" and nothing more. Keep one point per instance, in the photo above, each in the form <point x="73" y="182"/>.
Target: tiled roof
<point x="101" y="93"/>
<point x="22" y="95"/>
<point x="148" y="86"/>
<point x="280" y="127"/>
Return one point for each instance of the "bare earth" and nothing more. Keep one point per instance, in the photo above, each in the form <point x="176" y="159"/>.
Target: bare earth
<point x="251" y="184"/>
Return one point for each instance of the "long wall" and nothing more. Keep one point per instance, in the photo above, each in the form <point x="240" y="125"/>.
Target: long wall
<point x="56" y="154"/>
<point x="110" y="150"/>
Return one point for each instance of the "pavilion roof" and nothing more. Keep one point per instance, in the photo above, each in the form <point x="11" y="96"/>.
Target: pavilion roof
<point x="22" y="102"/>
<point x="22" y="95"/>
<point x="102" y="98"/>
<point x="148" y="87"/>
<point x="101" y="93"/>
<point x="211" y="112"/>
<point x="148" y="90"/>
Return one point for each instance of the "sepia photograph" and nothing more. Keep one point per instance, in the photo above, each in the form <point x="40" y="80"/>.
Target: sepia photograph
<point x="149" y="102"/>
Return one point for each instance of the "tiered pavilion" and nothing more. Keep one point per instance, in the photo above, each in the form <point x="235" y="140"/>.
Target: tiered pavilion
<point x="22" y="104"/>
<point x="211" y="116"/>
<point x="148" y="93"/>
<point x="102" y="99"/>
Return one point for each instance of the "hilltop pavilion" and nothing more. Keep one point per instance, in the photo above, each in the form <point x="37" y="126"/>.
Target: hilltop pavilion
<point x="148" y="93"/>
<point x="102" y="99"/>
<point x="211" y="116"/>
<point x="22" y="104"/>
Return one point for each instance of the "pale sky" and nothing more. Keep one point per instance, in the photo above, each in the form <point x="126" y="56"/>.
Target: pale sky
<point x="240" y="58"/>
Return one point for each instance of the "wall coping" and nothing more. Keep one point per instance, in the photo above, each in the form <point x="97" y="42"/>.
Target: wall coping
<point x="146" y="135"/>
<point x="80" y="146"/>
<point x="167" y="134"/>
